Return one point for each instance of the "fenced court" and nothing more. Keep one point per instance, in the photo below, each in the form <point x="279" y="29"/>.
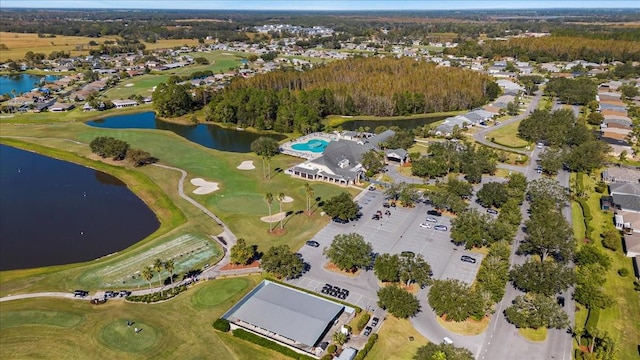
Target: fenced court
<point x="187" y="251"/>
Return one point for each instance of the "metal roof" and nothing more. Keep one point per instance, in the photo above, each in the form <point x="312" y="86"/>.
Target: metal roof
<point x="293" y="314"/>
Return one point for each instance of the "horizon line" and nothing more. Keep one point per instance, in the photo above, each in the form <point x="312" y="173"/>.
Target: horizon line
<point x="568" y="7"/>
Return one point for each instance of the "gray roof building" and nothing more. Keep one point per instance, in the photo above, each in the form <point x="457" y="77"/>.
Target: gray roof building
<point x="626" y="196"/>
<point x="281" y="311"/>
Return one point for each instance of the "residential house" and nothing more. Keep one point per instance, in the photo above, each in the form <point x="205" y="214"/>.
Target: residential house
<point x="119" y="104"/>
<point x="626" y="202"/>
<point x="59" y="107"/>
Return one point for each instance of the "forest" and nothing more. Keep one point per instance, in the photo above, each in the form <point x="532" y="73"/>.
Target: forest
<point x="291" y="100"/>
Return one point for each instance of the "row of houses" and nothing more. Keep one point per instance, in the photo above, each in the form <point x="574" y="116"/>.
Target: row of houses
<point x="617" y="126"/>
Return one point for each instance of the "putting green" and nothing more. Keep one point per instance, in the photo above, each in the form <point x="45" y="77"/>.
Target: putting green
<point x="246" y="204"/>
<point x="39" y="317"/>
<point x="215" y="293"/>
<point x="118" y="336"/>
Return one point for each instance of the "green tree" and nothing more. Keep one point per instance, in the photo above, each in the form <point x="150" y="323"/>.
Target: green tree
<point x="349" y="252"/>
<point x="588" y="290"/>
<point x="536" y="311"/>
<point x="434" y="351"/>
<point x="308" y="190"/>
<point x="281" y="198"/>
<point x="172" y="100"/>
<point x="158" y="266"/>
<point x="548" y="234"/>
<point x="373" y="162"/>
<point x="591" y="254"/>
<point x="147" y="275"/>
<point x="282" y="262"/>
<point x="546" y="277"/>
<point x="241" y="253"/>
<point x="399" y="302"/>
<point x="265" y="147"/>
<point x="456" y="300"/>
<point x="414" y="269"/>
<point x="494" y="271"/>
<point x="552" y="160"/>
<point x="268" y="198"/>
<point x="341" y="207"/>
<point x="408" y="195"/>
<point x="169" y="265"/>
<point x="492" y="194"/>
<point x="339" y="337"/>
<point x="387" y="268"/>
<point x="109" y="147"/>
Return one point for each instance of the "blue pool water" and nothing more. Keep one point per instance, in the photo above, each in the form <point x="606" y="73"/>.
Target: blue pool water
<point x="315" y="146"/>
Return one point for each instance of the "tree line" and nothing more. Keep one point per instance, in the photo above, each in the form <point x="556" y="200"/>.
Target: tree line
<point x="108" y="147"/>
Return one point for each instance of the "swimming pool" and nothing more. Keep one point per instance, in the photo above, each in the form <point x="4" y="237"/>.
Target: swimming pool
<point x="314" y="145"/>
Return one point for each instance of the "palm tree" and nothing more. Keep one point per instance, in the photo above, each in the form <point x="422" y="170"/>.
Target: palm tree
<point x="158" y="266"/>
<point x="147" y="274"/>
<point x="169" y="265"/>
<point x="281" y="197"/>
<point x="309" y="191"/>
<point x="268" y="198"/>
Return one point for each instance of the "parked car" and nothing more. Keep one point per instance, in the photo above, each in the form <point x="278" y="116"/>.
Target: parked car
<point x="340" y="221"/>
<point x="374" y="322"/>
<point x="431" y="219"/>
<point x="372" y="188"/>
<point x="375" y="217"/>
<point x="386" y="205"/>
<point x="313" y="243"/>
<point x="109" y="294"/>
<point x="468" y="259"/>
<point x="425" y="225"/>
<point x="492" y="211"/>
<point x="440" y="228"/>
<point x="367" y="331"/>
<point x="434" y="213"/>
<point x="125" y="293"/>
<point x="80" y="293"/>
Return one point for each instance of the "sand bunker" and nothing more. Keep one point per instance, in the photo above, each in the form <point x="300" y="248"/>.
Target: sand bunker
<point x="274" y="218"/>
<point x="128" y="85"/>
<point x="204" y="187"/>
<point x="246" y="165"/>
<point x="287" y="199"/>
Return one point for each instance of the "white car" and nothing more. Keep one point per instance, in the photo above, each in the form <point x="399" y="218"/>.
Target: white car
<point x="425" y="225"/>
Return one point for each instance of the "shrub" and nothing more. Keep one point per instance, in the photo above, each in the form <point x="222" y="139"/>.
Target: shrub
<point x="157" y="296"/>
<point x="367" y="347"/>
<point x="332" y="349"/>
<point x="611" y="239"/>
<point x="266" y="343"/>
<point x="327" y="357"/>
<point x="221" y="325"/>
<point x="623" y="272"/>
<point x="362" y="322"/>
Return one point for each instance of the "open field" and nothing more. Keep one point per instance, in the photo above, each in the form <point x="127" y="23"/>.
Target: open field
<point x="394" y="342"/>
<point x="71" y="329"/>
<point x="622" y="320"/>
<point x="239" y="203"/>
<point x="508" y="136"/>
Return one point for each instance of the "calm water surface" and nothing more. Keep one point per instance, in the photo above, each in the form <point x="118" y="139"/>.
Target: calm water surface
<point x="210" y="136"/>
<point x="22" y="83"/>
<point x="53" y="212"/>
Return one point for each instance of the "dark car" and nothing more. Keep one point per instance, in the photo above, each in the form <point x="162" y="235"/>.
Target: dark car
<point x="434" y="213"/>
<point x="80" y="293"/>
<point x="375" y="217"/>
<point x="125" y="293"/>
<point x="374" y="322"/>
<point x="440" y="228"/>
<point x="468" y="259"/>
<point x="492" y="211"/>
<point x="560" y="300"/>
<point x="386" y="205"/>
<point x="313" y="243"/>
<point x="109" y="294"/>
<point x="340" y="221"/>
<point x="367" y="331"/>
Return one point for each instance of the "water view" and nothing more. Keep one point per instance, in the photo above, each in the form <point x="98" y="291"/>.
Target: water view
<point x="53" y="212"/>
<point x="16" y="84"/>
<point x="211" y="136"/>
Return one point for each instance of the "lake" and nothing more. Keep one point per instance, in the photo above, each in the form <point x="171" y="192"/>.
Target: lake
<point x="211" y="136"/>
<point x="413" y="123"/>
<point x="54" y="212"/>
<point x="22" y="83"/>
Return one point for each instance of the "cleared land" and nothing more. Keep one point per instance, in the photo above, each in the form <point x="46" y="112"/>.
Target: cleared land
<point x="508" y="136"/>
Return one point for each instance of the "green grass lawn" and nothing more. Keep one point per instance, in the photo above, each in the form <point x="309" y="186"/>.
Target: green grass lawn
<point x="239" y="203"/>
<point x="394" y="342"/>
<point x="622" y="320"/>
<point x="337" y="120"/>
<point x="179" y="328"/>
<point x="508" y="136"/>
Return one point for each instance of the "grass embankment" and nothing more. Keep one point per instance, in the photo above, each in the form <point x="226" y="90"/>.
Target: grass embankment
<point x="622" y="320"/>
<point x="66" y="329"/>
<point x="468" y="327"/>
<point x="75" y="115"/>
<point x="394" y="341"/>
<point x="536" y="335"/>
<point x="334" y="121"/>
<point x="239" y="203"/>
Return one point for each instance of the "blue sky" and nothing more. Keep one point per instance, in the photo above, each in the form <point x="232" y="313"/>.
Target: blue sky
<point x="323" y="4"/>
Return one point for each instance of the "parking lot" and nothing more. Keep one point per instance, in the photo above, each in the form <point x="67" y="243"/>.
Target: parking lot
<point x="394" y="233"/>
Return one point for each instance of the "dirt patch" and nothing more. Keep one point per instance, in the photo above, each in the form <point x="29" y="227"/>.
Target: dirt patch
<point x="332" y="267"/>
<point x="277" y="232"/>
<point x="255" y="264"/>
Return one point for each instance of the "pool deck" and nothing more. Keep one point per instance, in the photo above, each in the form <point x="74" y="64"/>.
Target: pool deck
<point x="308" y="155"/>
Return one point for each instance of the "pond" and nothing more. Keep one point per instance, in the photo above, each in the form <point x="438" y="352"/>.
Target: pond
<point x="22" y="83"/>
<point x="412" y="123"/>
<point x="54" y="212"/>
<point x="211" y="136"/>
